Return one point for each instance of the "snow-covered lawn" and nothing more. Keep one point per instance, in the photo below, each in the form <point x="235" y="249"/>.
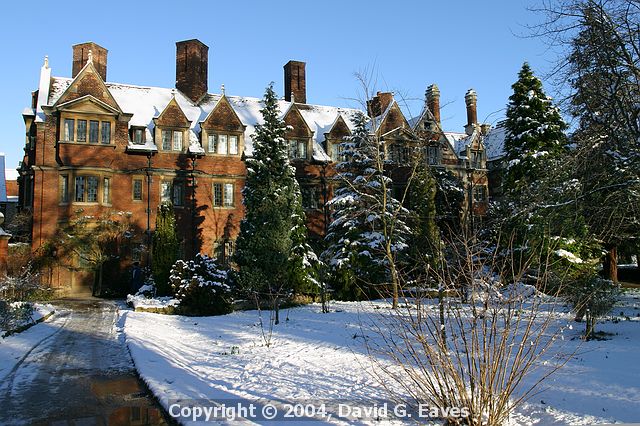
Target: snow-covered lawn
<point x="13" y="348"/>
<point x="317" y="357"/>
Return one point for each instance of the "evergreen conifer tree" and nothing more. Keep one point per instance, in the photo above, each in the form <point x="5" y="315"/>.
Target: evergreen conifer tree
<point x="165" y="248"/>
<point x="368" y="223"/>
<point x="535" y="147"/>
<point x="425" y="244"/>
<point x="272" y="254"/>
<point x="535" y="134"/>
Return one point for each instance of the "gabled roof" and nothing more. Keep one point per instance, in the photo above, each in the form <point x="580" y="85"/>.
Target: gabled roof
<point x="425" y="115"/>
<point x="402" y="131"/>
<point x="145" y="103"/>
<point x="88" y="71"/>
<point x="339" y="122"/>
<point x="295" y="112"/>
<point x="91" y="99"/>
<point x="223" y="102"/>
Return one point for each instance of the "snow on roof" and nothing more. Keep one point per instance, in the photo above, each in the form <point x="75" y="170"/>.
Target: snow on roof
<point x="458" y="141"/>
<point x="11" y="174"/>
<point x="146" y="103"/>
<point x="494" y="142"/>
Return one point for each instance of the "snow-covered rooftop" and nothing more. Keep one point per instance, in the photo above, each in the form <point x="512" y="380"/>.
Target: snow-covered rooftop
<point x="494" y="142"/>
<point x="458" y="141"/>
<point x="146" y="103"/>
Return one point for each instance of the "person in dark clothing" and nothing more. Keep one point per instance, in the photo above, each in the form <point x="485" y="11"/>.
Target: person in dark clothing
<point x="136" y="278"/>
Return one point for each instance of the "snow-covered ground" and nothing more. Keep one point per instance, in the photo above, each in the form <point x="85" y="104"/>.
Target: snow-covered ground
<point x="315" y="357"/>
<point x="13" y="348"/>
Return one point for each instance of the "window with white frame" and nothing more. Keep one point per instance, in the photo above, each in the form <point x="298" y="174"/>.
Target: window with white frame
<point x="222" y="144"/>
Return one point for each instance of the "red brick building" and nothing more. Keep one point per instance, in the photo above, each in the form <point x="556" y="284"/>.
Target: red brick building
<point x="101" y="146"/>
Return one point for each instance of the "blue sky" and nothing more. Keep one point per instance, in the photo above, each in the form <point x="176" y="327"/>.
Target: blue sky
<point x="405" y="45"/>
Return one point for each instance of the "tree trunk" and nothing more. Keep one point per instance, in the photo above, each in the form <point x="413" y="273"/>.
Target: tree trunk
<point x="276" y="308"/>
<point x="590" y="324"/>
<point x="610" y="264"/>
<point x="99" y="286"/>
<point x="443" y="332"/>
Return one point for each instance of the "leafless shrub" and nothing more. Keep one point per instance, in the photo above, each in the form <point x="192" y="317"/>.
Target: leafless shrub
<point x="484" y="357"/>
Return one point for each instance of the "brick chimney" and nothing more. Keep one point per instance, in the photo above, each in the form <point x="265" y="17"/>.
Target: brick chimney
<point x="433" y="101"/>
<point x="81" y="57"/>
<point x="192" y="61"/>
<point x="295" y="82"/>
<point x="379" y="103"/>
<point x="471" y="99"/>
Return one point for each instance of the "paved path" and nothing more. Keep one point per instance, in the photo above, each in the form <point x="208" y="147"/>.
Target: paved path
<point x="80" y="375"/>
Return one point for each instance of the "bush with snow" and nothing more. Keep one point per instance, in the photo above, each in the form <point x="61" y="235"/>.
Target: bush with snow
<point x="592" y="297"/>
<point x="201" y="287"/>
<point x="14" y="315"/>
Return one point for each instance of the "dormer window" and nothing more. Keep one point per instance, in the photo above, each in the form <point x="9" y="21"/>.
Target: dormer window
<point x="297" y="149"/>
<point x="172" y="140"/>
<point x="222" y="144"/>
<point x="81" y="130"/>
<point x="337" y="152"/>
<point x="137" y="135"/>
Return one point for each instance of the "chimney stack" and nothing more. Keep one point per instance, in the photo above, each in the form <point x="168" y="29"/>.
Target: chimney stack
<point x="81" y="57"/>
<point x="379" y="103"/>
<point x="471" y="99"/>
<point x="295" y="82"/>
<point x="192" y="61"/>
<point x="433" y="101"/>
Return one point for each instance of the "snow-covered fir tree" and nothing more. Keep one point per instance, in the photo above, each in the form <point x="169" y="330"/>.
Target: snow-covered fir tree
<point x="535" y="134"/>
<point x="368" y="231"/>
<point x="272" y="254"/>
<point x="536" y="183"/>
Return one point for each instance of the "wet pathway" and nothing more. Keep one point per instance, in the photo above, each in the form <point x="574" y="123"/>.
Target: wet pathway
<point x="80" y="375"/>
